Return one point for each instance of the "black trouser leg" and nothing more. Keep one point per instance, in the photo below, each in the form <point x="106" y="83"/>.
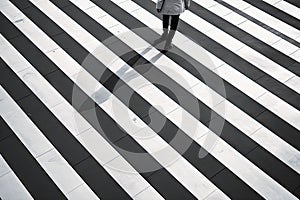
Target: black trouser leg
<point x="174" y="21"/>
<point x="166" y="19"/>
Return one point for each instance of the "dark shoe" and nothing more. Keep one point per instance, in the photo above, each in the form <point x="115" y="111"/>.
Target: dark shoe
<point x="162" y="38"/>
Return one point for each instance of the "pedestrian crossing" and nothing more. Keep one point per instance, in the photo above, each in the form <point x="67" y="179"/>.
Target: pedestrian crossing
<point x="91" y="110"/>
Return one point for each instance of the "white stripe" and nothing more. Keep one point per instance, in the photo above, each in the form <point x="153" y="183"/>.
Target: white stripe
<point x="253" y="29"/>
<point x="37" y="144"/>
<point x="265" y="18"/>
<point x="82" y="131"/>
<point x="174" y="116"/>
<point x="234" y="115"/>
<point x="285" y="7"/>
<point x="10" y="185"/>
<point x="198" y="184"/>
<point x="243" y="83"/>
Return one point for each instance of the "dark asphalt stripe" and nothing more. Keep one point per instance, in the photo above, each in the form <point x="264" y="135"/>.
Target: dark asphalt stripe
<point x="275" y="12"/>
<point x="239" y="141"/>
<point x="263" y="25"/>
<point x="74" y="153"/>
<point x="87" y="167"/>
<point x="24" y="165"/>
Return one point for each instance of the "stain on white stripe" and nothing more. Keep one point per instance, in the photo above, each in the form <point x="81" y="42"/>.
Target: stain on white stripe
<point x="10" y="185"/>
<point x="91" y="139"/>
<point x="192" y="179"/>
<point x="254" y="29"/>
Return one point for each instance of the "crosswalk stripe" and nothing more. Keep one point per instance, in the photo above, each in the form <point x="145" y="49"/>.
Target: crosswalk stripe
<point x="286" y="7"/>
<point x="72" y="36"/>
<point x="195" y="174"/>
<point x="98" y="12"/>
<point x="267" y="19"/>
<point x="253" y="29"/>
<point x="145" y="94"/>
<point x="10" y="185"/>
<point x="234" y="114"/>
<point x="86" y="134"/>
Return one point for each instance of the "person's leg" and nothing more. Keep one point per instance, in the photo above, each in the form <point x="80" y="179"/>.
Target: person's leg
<point x="174" y="24"/>
<point x="166" y="19"/>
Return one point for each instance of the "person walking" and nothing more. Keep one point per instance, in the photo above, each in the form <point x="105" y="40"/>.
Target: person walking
<point x="170" y="10"/>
